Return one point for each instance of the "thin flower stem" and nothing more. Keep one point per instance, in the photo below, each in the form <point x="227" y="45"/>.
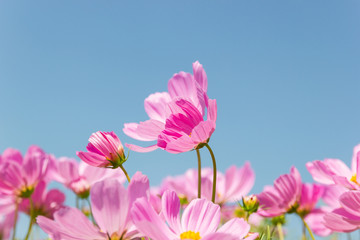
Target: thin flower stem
<point x="90" y="209"/>
<point x="199" y="172"/>
<point x="214" y="172"/>
<point x="309" y="230"/>
<point x="31" y="218"/>
<point x="126" y="174"/>
<point x="15" y="218"/>
<point x="77" y="202"/>
<point x="280" y="231"/>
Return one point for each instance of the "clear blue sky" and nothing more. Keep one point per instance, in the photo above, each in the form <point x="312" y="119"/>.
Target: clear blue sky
<point x="286" y="75"/>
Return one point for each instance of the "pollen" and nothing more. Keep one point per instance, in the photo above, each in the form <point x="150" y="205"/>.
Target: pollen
<point x="190" y="235"/>
<point x="353" y="179"/>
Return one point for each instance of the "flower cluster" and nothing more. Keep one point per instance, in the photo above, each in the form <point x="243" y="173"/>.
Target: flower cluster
<point x="202" y="203"/>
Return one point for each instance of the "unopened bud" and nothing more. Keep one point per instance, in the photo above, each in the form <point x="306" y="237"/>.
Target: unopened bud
<point x="250" y="203"/>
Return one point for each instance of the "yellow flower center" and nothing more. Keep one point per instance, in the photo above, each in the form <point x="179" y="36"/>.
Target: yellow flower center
<point x="190" y="235"/>
<point x="353" y="179"/>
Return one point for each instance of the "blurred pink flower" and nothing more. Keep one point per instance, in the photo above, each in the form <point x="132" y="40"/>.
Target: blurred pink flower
<point x="200" y="220"/>
<point x="347" y="217"/>
<point x="334" y="171"/>
<point x="282" y="197"/>
<point x="183" y="85"/>
<point x="19" y="176"/>
<point x="104" y="150"/>
<point x="111" y="204"/>
<point x="45" y="202"/>
<point x="79" y="177"/>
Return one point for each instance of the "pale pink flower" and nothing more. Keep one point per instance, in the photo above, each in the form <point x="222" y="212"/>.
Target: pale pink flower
<point x="104" y="150"/>
<point x="45" y="203"/>
<point x="347" y="217"/>
<point x="19" y="176"/>
<point x="200" y="220"/>
<point x="230" y="187"/>
<point x="182" y="85"/>
<point x="79" y="177"/>
<point x="111" y="204"/>
<point x="334" y="171"/>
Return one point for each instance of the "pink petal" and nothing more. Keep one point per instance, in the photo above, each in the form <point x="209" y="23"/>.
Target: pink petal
<point x="182" y="144"/>
<point x="237" y="227"/>
<point x="200" y="75"/>
<point x="341" y="221"/>
<point x="286" y="186"/>
<point x="141" y="149"/>
<point x="155" y="105"/>
<point x="343" y="181"/>
<point x="171" y="209"/>
<point x="93" y="159"/>
<point x="130" y="129"/>
<point x="238" y="182"/>
<point x="315" y="220"/>
<point x="68" y="169"/>
<point x="150" y="129"/>
<point x="95" y="174"/>
<point x="203" y="131"/>
<point x="220" y="235"/>
<point x="201" y="216"/>
<point x="354" y="160"/>
<point x="11" y="154"/>
<point x="110" y="205"/>
<point x="212" y="110"/>
<point x="350" y="201"/>
<point x="149" y="222"/>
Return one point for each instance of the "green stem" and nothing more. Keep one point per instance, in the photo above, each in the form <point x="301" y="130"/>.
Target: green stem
<point x="77" y="202"/>
<point x="126" y="174"/>
<point x="15" y="218"/>
<point x="214" y="172"/>
<point x="199" y="172"/>
<point x="92" y="216"/>
<point x="280" y="231"/>
<point x="31" y="218"/>
<point x="309" y="230"/>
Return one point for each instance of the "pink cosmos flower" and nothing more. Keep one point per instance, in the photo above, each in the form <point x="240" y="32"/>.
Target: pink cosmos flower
<point x="111" y="204"/>
<point x="334" y="171"/>
<point x="347" y="217"/>
<point x="231" y="187"/>
<point x="19" y="176"/>
<point x="185" y="129"/>
<point x="200" y="220"/>
<point x="45" y="202"/>
<point x="104" y="150"/>
<point x="193" y="88"/>
<point x="283" y="196"/>
<point x="79" y="177"/>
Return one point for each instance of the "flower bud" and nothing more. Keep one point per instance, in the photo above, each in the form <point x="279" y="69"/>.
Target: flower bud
<point x="250" y="203"/>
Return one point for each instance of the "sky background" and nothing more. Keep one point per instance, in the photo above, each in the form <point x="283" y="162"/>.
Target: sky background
<point x="285" y="75"/>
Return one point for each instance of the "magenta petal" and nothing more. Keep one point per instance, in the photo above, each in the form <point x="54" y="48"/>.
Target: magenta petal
<point x="155" y="105"/>
<point x="237" y="227"/>
<point x="286" y="186"/>
<point x="171" y="209"/>
<point x="201" y="216"/>
<point x="110" y="205"/>
<point x="11" y="154"/>
<point x="141" y="149"/>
